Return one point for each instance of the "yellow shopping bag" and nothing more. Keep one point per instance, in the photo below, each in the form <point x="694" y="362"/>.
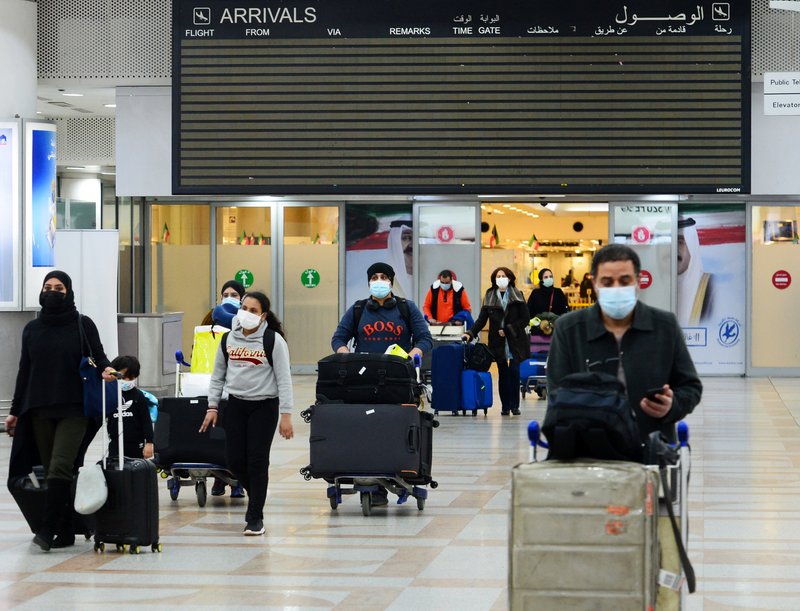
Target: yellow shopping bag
<point x="204" y="350"/>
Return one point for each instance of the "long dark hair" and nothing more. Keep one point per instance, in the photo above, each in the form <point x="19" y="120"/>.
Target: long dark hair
<point x="272" y="320"/>
<point x="512" y="277"/>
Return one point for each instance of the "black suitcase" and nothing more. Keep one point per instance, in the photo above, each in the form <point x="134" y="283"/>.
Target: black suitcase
<point x="176" y="437"/>
<point x="130" y="514"/>
<point x="371" y="440"/>
<point x="366" y="378"/>
<point x="30" y="499"/>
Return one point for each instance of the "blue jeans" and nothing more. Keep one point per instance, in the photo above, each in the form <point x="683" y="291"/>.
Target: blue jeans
<point x="508" y="384"/>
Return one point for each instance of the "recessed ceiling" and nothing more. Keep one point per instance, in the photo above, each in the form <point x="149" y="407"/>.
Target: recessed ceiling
<point x="52" y="103"/>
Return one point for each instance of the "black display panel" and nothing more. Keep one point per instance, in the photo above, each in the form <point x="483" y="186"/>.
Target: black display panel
<point x="455" y="96"/>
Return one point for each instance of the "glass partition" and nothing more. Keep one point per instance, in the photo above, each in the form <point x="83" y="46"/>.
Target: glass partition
<point x="775" y="285"/>
<point x="180" y="262"/>
<point x="310" y="280"/>
<point x="244" y="248"/>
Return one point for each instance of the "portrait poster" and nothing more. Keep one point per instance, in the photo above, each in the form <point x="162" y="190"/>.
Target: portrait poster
<point x="10" y="207"/>
<point x="378" y="233"/>
<point x="711" y="291"/>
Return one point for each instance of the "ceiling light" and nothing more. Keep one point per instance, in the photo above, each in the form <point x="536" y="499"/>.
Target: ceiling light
<point x="38" y="112"/>
<point x="506" y="205"/>
<point x="73" y="95"/>
<point x="109" y="105"/>
<point x="76" y="167"/>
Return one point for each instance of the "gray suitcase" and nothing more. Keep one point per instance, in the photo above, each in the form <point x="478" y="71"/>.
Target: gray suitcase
<point x="584" y="536"/>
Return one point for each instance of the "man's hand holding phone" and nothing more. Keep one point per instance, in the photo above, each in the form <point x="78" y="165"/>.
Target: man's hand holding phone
<point x="657" y="401"/>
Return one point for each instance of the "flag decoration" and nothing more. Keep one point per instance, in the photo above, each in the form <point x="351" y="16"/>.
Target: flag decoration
<point x="316" y="239"/>
<point x="494" y="239"/>
<point x="165" y="234"/>
<point x="533" y="242"/>
<point x="243" y="239"/>
<point x="262" y="240"/>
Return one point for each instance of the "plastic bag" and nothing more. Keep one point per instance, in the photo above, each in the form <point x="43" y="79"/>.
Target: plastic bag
<point x="91" y="490"/>
<point x="204" y="351"/>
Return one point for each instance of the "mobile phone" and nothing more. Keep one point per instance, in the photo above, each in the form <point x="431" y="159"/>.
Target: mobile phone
<point x="652" y="392"/>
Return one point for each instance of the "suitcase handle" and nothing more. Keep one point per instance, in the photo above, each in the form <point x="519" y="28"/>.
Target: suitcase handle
<point x="413" y="439"/>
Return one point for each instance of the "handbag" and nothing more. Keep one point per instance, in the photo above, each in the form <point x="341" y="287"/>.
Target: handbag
<point x="93" y="383"/>
<point x="91" y="489"/>
<point x="477" y="356"/>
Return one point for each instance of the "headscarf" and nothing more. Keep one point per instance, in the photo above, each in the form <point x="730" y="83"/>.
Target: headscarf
<point x="403" y="281"/>
<point x="235" y="285"/>
<point x="689" y="281"/>
<point x="62" y="312"/>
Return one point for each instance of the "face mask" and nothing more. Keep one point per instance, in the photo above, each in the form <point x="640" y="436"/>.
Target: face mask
<point x="248" y="320"/>
<point x="51" y="299"/>
<point x="617" y="302"/>
<point x="548" y="282"/>
<point x="231" y="300"/>
<point x="127" y="384"/>
<point x="380" y="288"/>
<point x="502" y="283"/>
<point x="445" y="287"/>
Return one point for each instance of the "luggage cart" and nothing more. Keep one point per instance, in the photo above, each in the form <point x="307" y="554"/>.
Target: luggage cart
<point x="364" y="486"/>
<point x="533" y="375"/>
<point x="677" y="475"/>
<point x="182" y="474"/>
<point x="442" y="334"/>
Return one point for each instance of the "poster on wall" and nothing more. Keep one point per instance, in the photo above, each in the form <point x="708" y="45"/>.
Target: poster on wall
<point x="40" y="206"/>
<point x="378" y="232"/>
<point x="711" y="285"/>
<point x="10" y="215"/>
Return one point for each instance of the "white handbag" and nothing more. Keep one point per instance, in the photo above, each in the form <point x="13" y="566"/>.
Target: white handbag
<point x="91" y="490"/>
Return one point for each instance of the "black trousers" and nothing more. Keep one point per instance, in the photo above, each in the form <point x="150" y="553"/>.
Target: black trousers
<point x="508" y="384"/>
<point x="249" y="429"/>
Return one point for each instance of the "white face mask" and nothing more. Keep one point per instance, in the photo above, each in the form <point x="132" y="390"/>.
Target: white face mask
<point x="548" y="282"/>
<point x="248" y="320"/>
<point x="127" y="384"/>
<point x="618" y="301"/>
<point x="502" y="283"/>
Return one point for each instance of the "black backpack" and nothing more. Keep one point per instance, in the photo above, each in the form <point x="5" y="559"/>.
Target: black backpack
<point x="269" y="344"/>
<point x="590" y="417"/>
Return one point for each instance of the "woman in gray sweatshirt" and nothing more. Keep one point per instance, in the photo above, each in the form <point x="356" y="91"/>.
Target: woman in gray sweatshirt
<point x="252" y="363"/>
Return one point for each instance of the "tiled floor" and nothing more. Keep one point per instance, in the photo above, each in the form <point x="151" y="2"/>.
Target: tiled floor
<point x="745" y="526"/>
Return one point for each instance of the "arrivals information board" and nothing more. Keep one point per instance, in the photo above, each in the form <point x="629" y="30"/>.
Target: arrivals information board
<point x="448" y="97"/>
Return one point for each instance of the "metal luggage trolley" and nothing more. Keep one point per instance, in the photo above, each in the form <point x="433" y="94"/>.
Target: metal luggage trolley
<point x="181" y="474"/>
<point x="533" y="372"/>
<point x="678" y="477"/>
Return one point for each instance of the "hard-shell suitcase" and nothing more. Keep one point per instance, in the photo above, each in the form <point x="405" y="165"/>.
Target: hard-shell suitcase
<point x="371" y="440"/>
<point x="583" y="536"/>
<point x="176" y="437"/>
<point x="476" y="390"/>
<point x="130" y="515"/>
<point x="366" y="378"/>
<point x="447" y="363"/>
<point x="29" y="492"/>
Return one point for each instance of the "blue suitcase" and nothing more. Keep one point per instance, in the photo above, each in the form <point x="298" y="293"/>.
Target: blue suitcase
<point x="447" y="363"/>
<point x="476" y="391"/>
<point x="533" y="375"/>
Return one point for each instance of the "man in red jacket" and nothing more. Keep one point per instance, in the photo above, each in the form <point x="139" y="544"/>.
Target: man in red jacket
<point x="446" y="298"/>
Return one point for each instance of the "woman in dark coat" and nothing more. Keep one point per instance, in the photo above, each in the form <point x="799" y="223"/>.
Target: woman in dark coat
<point x="547" y="298"/>
<point x="48" y="401"/>
<point x="504" y="308"/>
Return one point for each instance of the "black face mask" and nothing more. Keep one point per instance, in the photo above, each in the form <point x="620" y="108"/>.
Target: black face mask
<point x="51" y="300"/>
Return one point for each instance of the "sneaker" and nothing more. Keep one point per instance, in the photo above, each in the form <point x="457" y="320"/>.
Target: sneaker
<point x="504" y="412"/>
<point x="218" y="489"/>
<point x="254" y="528"/>
<point x="515" y="411"/>
<point x="237" y="492"/>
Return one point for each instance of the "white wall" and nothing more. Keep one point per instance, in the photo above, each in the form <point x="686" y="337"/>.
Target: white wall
<point x="144" y="141"/>
<point x="774" y="150"/>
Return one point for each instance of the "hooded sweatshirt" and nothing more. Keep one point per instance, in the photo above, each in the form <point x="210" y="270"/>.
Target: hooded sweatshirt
<point x="247" y="373"/>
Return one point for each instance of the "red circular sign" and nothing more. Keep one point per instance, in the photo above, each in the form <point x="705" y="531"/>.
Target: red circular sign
<point x="641" y="234"/>
<point x="781" y="279"/>
<point x="645" y="279"/>
<point x="445" y="233"/>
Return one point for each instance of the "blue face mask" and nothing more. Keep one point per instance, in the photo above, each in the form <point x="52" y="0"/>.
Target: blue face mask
<point x="127" y="384"/>
<point x="380" y="288"/>
<point x="618" y="301"/>
<point x="548" y="282"/>
<point x="445" y="287"/>
<point x="231" y="300"/>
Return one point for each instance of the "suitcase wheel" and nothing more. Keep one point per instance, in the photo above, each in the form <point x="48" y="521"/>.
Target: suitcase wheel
<point x="100" y="547"/>
<point x="120" y="548"/>
<point x="333" y="501"/>
<point x="420" y="504"/>
<point x="366" y="503"/>
<point x="474" y="412"/>
<point x="485" y="412"/>
<point x="174" y="486"/>
<point x="156" y="548"/>
<point x="202" y="494"/>
<point x="134" y="549"/>
<point x="434" y="484"/>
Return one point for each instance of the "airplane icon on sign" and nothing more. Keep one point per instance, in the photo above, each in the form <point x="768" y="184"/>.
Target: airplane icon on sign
<point x="721" y="11"/>
<point x="202" y="15"/>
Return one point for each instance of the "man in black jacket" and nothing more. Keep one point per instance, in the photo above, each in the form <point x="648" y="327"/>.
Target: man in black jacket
<point x="643" y="346"/>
